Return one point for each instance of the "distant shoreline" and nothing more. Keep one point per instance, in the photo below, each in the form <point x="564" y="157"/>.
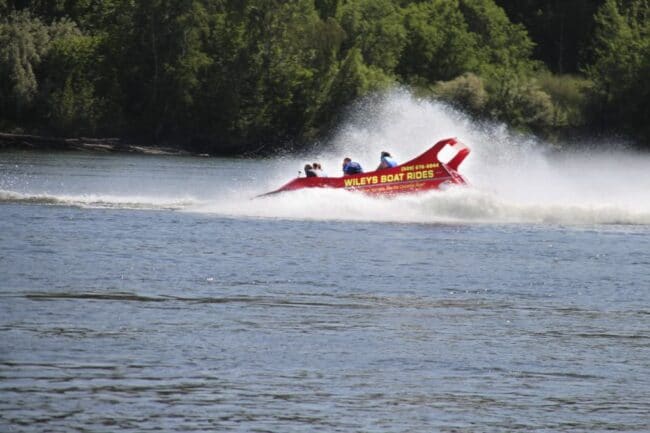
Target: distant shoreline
<point x="103" y="145"/>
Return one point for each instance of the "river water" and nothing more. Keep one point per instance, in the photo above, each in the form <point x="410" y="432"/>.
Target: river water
<point x="142" y="293"/>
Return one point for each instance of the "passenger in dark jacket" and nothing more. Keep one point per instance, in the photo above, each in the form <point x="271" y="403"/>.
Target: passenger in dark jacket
<point x="309" y="171"/>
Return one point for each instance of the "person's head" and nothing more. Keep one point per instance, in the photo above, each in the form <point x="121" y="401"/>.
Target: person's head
<point x="308" y="167"/>
<point x="347" y="161"/>
<point x="316" y="165"/>
<point x="384" y="153"/>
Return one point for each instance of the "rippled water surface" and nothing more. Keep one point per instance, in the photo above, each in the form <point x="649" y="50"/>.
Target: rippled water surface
<point x="151" y="293"/>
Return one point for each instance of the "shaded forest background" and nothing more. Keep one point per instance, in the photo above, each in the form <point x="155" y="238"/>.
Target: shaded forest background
<point x="232" y="77"/>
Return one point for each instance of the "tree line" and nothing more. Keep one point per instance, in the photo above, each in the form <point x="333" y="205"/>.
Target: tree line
<point x="237" y="76"/>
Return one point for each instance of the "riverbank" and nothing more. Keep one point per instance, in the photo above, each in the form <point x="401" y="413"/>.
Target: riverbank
<point x="84" y="144"/>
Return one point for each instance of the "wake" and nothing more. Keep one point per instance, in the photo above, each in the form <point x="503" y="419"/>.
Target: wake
<point x="96" y="201"/>
<point x="454" y="206"/>
<point x="514" y="179"/>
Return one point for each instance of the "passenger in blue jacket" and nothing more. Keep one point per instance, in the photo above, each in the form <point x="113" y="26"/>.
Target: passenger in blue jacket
<point x="351" y="167"/>
<point x="387" y="161"/>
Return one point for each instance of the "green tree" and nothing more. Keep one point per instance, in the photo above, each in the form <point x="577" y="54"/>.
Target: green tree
<point x="277" y="76"/>
<point x="326" y="8"/>
<point x="466" y="92"/>
<point x="569" y="96"/>
<point x="353" y="79"/>
<point x="376" y="29"/>
<point x="239" y="75"/>
<point x="24" y="43"/>
<point x="502" y="43"/>
<point x="440" y="46"/>
<point x="561" y="29"/>
<point x="156" y="50"/>
<point x="69" y="85"/>
<point x="622" y="66"/>
<point x="268" y="61"/>
<point x="504" y="62"/>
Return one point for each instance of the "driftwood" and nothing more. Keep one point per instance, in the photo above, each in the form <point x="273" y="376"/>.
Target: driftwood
<point x="35" y="142"/>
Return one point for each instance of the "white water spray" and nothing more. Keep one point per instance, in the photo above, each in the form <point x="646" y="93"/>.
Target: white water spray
<point x="514" y="179"/>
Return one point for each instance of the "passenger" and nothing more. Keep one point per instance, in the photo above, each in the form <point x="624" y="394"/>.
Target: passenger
<point x="309" y="171"/>
<point x="318" y="169"/>
<point x="387" y="161"/>
<point x="351" y="167"/>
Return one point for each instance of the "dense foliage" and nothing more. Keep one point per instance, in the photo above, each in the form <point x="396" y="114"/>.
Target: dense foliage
<point x="226" y="76"/>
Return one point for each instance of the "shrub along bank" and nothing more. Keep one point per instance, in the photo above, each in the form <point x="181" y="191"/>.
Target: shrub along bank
<point x="239" y="76"/>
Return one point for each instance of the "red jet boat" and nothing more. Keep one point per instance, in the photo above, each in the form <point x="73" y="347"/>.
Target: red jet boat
<point x="419" y="174"/>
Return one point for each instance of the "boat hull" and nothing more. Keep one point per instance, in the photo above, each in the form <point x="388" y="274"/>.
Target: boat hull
<point x="422" y="173"/>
